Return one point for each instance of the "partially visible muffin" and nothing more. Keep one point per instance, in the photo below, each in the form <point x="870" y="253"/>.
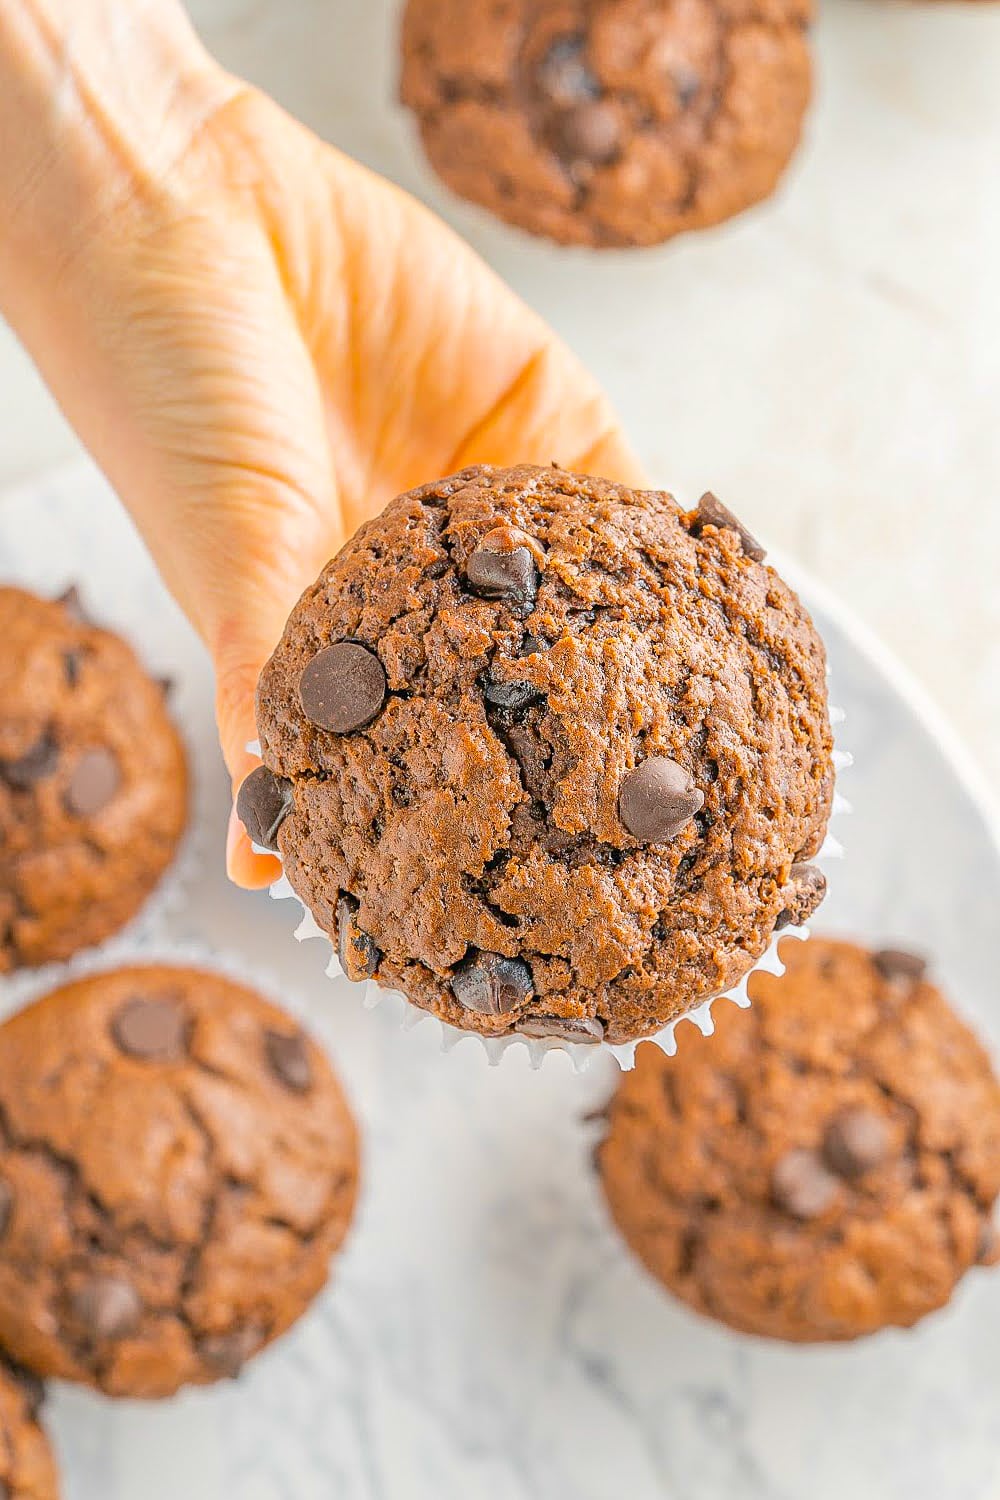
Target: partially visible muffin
<point x="27" y="1467"/>
<point x="548" y="755"/>
<point x="826" y="1164"/>
<point x="93" y="781"/>
<point x="177" y="1166"/>
<point x="608" y="122"/>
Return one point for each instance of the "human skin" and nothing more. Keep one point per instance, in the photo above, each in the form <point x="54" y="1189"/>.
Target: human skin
<point x="259" y="341"/>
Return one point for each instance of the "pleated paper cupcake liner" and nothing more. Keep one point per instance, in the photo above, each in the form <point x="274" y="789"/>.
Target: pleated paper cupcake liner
<point x="581" y="1054"/>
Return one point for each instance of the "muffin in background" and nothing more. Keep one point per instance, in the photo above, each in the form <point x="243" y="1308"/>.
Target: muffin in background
<point x="826" y="1164"/>
<point x="93" y="781"/>
<point x="610" y="122"/>
<point x="178" y="1165"/>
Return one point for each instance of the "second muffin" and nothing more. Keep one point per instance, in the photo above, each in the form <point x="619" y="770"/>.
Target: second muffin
<point x="177" y="1166"/>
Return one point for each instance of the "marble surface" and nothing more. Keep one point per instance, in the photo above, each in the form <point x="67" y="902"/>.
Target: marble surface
<point x="486" y="1335"/>
<point x="830" y="364"/>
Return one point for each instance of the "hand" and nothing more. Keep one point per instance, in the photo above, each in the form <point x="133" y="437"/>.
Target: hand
<point x="262" y="343"/>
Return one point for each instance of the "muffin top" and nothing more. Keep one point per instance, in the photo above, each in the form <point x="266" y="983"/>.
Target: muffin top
<point x="27" y="1467"/>
<point x="549" y="755"/>
<point x="608" y="122"/>
<point x="823" y="1166"/>
<point x="177" y="1165"/>
<point x="93" y="781"/>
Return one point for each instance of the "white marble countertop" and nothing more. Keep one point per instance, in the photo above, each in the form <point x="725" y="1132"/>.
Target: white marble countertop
<point x="830" y="364"/>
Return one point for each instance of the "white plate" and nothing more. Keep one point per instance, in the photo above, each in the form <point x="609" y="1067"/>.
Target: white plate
<point x="486" y="1334"/>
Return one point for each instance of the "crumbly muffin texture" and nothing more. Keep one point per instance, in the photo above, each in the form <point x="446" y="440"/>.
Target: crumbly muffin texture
<point x="547" y="754"/>
<point x="177" y="1166"/>
<point x="27" y="1467"/>
<point x="822" y="1167"/>
<point x="93" y="781"/>
<point x="608" y="122"/>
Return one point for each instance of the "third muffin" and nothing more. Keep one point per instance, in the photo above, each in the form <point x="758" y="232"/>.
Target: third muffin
<point x="826" y="1164"/>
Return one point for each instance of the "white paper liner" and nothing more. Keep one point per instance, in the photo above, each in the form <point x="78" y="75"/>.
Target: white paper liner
<point x="581" y="1054"/>
<point x="164" y="951"/>
<point x="168" y="897"/>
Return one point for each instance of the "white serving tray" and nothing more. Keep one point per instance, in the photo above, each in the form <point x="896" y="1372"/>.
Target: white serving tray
<point x="486" y="1336"/>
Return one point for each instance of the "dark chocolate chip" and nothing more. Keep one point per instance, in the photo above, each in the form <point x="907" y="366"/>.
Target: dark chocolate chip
<point x="6" y="1206"/>
<point x="533" y="646"/>
<point x="687" y="84"/>
<point x="570" y="1028"/>
<point x="109" y="1307"/>
<point x="288" y="1059"/>
<point x="359" y="956"/>
<point x="33" y="766"/>
<point x="896" y="965"/>
<point x="712" y="512"/>
<point x="657" y="799"/>
<point x="563" y="75"/>
<point x="166" y="685"/>
<point x="492" y="985"/>
<point x="588" y="134"/>
<point x="151" y="1029"/>
<point x="805" y="890"/>
<point x="263" y="804"/>
<point x="73" y="604"/>
<point x="498" y="570"/>
<point x="71" y="666"/>
<point x="227" y="1353"/>
<point x="32" y="1388"/>
<point x="510" y="694"/>
<point x="802" y="1186"/>
<point x="95" y="779"/>
<point x="856" y="1141"/>
<point x="343" y="687"/>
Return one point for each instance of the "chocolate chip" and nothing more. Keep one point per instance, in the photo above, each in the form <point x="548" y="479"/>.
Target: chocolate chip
<point x="33" y="766"/>
<point x="71" y="666"/>
<point x="288" y="1059"/>
<point x="73" y="604"/>
<point x="227" y="1353"/>
<point x="687" y="84"/>
<point x="166" y="685"/>
<point x="532" y="646"/>
<point x="802" y="1186"/>
<point x="657" y="799"/>
<point x="32" y="1388"/>
<point x="95" y="779"/>
<point x="898" y="966"/>
<point x="805" y="890"/>
<point x="263" y="804"/>
<point x="500" y="568"/>
<point x="359" y="956"/>
<point x="513" y="695"/>
<point x="492" y="985"/>
<point x="109" y="1307"/>
<point x="856" y="1141"/>
<point x="563" y="75"/>
<point x="712" y="512"/>
<point x="151" y="1029"/>
<point x="589" y="134"/>
<point x="343" y="687"/>
<point x="570" y="1028"/>
<point x="6" y="1206"/>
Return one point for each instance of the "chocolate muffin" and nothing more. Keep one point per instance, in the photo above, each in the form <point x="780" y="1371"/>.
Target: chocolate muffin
<point x="177" y="1166"/>
<point x="608" y="122"/>
<point x="93" y="781"/>
<point x="549" y="755"/>
<point x="27" y="1468"/>
<point x="826" y="1164"/>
